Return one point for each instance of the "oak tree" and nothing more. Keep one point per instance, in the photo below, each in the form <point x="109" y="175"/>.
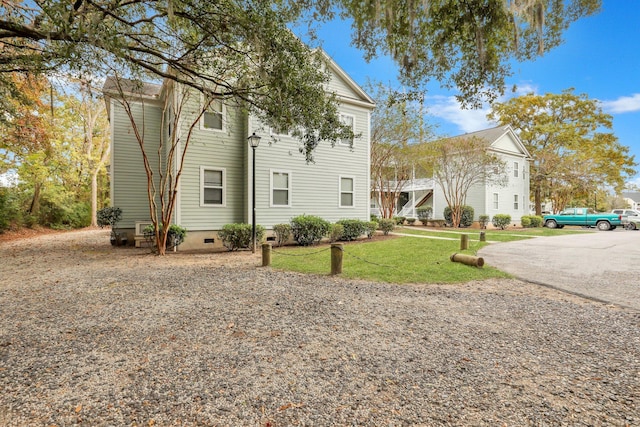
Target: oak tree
<point x="574" y="151"/>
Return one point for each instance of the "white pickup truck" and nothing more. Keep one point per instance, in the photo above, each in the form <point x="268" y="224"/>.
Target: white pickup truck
<point x="630" y="218"/>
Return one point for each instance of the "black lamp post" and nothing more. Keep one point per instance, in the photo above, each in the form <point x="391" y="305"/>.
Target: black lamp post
<point x="254" y="140"/>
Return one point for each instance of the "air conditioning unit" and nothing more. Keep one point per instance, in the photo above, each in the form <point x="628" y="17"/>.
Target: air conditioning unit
<point x="140" y="226"/>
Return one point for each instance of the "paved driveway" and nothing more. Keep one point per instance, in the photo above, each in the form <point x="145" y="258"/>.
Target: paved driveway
<point x="602" y="265"/>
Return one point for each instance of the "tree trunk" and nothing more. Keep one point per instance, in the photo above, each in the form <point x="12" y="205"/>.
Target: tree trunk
<point x="537" y="197"/>
<point x="94" y="198"/>
<point x="35" y="201"/>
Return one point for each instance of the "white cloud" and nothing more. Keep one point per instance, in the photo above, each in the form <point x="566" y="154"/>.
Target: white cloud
<point x="449" y="109"/>
<point x="624" y="104"/>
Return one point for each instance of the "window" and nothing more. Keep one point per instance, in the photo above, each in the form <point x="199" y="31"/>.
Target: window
<point x="515" y="202"/>
<point x="495" y="201"/>
<point x="280" y="188"/>
<point x="212" y="182"/>
<point x="347" y="196"/>
<point x="212" y="119"/>
<point x="516" y="166"/>
<point x="350" y="121"/>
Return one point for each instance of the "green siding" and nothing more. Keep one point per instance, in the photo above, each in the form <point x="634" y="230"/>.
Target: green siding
<point x="215" y="149"/>
<point x="129" y="179"/>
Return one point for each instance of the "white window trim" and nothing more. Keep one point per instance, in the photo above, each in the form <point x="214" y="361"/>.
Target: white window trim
<point x="353" y="192"/>
<point x="224" y="115"/>
<point x="495" y="201"/>
<point x="353" y="129"/>
<point x="289" y="180"/>
<point x="224" y="187"/>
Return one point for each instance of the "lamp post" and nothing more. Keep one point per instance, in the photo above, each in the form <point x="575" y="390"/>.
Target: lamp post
<point x="254" y="140"/>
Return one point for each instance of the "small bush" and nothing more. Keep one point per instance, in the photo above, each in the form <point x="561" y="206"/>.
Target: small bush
<point x="501" y="221"/>
<point x="109" y="216"/>
<point x="175" y="235"/>
<point x="525" y="221"/>
<point x="399" y="220"/>
<point x="371" y="228"/>
<point x="336" y="232"/>
<point x="309" y="229"/>
<point x="466" y="218"/>
<point x="411" y="221"/>
<point x="239" y="236"/>
<point x="424" y="214"/>
<point x="483" y="220"/>
<point x="387" y="225"/>
<point x="353" y="228"/>
<point x="282" y="232"/>
<point x="536" y="220"/>
<point x="373" y="217"/>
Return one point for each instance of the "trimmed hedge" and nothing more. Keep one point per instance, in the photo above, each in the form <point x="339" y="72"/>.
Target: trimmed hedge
<point x="501" y="221"/>
<point x="353" y="228"/>
<point x="239" y="236"/>
<point x="483" y="220"/>
<point x="282" y="232"/>
<point x="309" y="229"/>
<point x="336" y="232"/>
<point x="466" y="219"/>
<point x="371" y="228"/>
<point x="387" y="225"/>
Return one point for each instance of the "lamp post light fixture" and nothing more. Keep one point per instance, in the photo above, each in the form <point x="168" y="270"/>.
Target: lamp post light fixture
<point x="254" y="141"/>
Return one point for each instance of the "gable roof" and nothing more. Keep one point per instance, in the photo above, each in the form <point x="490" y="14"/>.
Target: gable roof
<point x="492" y="135"/>
<point x="363" y="99"/>
<point x="633" y="195"/>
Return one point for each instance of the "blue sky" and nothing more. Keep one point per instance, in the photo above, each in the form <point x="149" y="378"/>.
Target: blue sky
<point x="600" y="57"/>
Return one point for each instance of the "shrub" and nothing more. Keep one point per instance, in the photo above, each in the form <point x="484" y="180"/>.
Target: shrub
<point x="239" y="236"/>
<point x="399" y="220"/>
<point x="387" y="225"/>
<point x="353" y="228"/>
<point x="411" y="221"/>
<point x="466" y="218"/>
<point x="371" y="228"/>
<point x="309" y="229"/>
<point x="525" y="221"/>
<point x="336" y="231"/>
<point x="536" y="221"/>
<point x="9" y="209"/>
<point x="175" y="236"/>
<point x="373" y="217"/>
<point x="501" y="221"/>
<point x="109" y="216"/>
<point x="282" y="232"/>
<point x="483" y="220"/>
<point x="424" y="214"/>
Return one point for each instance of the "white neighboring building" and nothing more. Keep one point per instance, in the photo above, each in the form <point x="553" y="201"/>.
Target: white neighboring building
<point x="511" y="199"/>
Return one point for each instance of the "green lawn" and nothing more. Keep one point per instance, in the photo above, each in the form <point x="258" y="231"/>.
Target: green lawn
<point x="406" y="259"/>
<point x="491" y="235"/>
<point x="397" y="260"/>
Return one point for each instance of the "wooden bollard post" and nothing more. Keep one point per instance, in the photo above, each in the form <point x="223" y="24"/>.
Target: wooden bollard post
<point x="464" y="242"/>
<point x="483" y="236"/>
<point x="266" y="254"/>
<point x="467" y="259"/>
<point x="336" y="258"/>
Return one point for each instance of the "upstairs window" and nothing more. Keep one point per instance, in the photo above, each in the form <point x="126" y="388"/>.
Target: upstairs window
<point x="516" y="167"/>
<point x="349" y="121"/>
<point x="212" y="119"/>
<point x="495" y="201"/>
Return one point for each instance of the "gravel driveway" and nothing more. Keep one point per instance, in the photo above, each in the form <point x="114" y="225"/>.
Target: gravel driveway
<point x="98" y="336"/>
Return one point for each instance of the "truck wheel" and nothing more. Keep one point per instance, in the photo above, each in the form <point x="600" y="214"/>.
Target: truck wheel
<point x="603" y="225"/>
<point x="551" y="224"/>
<point x="631" y="226"/>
